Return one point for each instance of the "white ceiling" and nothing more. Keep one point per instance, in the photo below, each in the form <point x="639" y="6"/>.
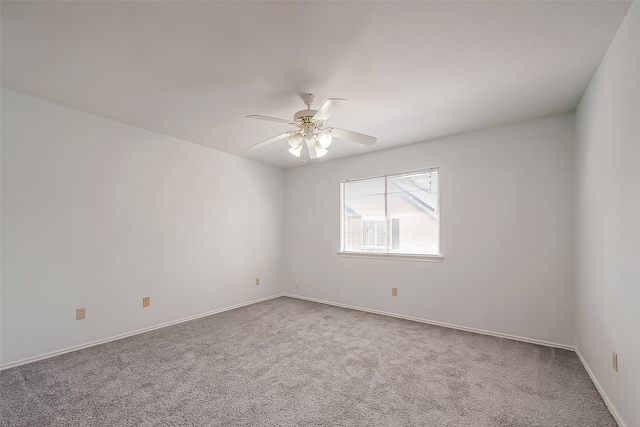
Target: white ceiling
<point x="412" y="71"/>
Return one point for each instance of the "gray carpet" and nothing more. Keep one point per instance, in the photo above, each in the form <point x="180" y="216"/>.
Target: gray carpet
<point x="287" y="362"/>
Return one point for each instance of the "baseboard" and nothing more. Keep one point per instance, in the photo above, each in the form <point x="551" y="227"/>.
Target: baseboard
<point x="128" y="334"/>
<point x="436" y="323"/>
<point x="606" y="399"/>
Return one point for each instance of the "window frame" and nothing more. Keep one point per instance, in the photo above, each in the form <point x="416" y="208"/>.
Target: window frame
<point x="389" y="255"/>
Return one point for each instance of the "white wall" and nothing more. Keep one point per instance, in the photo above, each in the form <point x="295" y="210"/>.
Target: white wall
<point x="506" y="233"/>
<point x="608" y="221"/>
<point x="99" y="214"/>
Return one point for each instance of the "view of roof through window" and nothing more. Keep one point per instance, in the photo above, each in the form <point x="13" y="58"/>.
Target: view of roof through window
<point x="392" y="214"/>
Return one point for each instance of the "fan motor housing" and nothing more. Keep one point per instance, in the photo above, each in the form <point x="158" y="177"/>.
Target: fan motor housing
<point x="304" y="113"/>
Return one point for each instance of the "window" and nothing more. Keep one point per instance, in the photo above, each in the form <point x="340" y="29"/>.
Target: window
<point x="391" y="214"/>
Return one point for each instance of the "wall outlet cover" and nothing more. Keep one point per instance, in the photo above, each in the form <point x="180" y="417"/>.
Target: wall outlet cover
<point x="81" y="314"/>
<point x="146" y="301"/>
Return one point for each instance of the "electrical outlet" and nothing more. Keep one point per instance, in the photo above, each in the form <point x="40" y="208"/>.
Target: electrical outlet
<point x="615" y="361"/>
<point x="297" y="283"/>
<point x="257" y="281"/>
<point x="81" y="314"/>
<point x="394" y="292"/>
<point x="146" y="302"/>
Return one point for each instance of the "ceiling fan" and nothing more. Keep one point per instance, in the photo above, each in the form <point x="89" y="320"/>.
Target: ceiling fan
<point x="311" y="132"/>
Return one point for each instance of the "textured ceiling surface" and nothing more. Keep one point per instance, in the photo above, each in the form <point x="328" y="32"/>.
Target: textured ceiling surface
<point x="412" y="71"/>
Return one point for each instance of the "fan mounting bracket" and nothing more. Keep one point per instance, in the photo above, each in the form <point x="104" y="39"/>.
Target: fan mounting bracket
<point x="308" y="99"/>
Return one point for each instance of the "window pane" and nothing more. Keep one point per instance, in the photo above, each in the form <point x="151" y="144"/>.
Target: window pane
<point x="362" y="202"/>
<point x="395" y="233"/>
<point x="380" y="233"/>
<point x="413" y="199"/>
<point x="368" y="233"/>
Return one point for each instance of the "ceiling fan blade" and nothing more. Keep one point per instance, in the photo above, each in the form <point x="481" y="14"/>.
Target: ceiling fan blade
<point x="310" y="149"/>
<point x="328" y="108"/>
<point x="348" y="135"/>
<point x="270" y="140"/>
<point x="272" y="119"/>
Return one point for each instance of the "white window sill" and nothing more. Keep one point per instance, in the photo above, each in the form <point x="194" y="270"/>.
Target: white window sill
<point x="397" y="257"/>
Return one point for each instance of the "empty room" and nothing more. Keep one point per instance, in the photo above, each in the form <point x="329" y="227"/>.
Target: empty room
<point x="314" y="213"/>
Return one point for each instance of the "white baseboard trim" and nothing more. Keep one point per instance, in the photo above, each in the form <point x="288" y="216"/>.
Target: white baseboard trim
<point x="128" y="334"/>
<point x="607" y="402"/>
<point x="606" y="399"/>
<point x="436" y="323"/>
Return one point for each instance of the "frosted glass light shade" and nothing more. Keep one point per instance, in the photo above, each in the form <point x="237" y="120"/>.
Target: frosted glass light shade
<point x="320" y="150"/>
<point x="296" y="151"/>
<point x="324" y="138"/>
<point x="295" y="141"/>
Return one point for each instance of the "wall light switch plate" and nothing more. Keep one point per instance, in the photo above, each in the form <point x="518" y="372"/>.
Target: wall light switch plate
<point x="146" y="301"/>
<point x="615" y="361"/>
<point x="257" y="281"/>
<point x="81" y="314"/>
<point x="394" y="292"/>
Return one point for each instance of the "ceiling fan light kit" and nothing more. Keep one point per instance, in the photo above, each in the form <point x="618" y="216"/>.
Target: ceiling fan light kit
<point x="311" y="132"/>
<point x="325" y="138"/>
<point x="296" y="151"/>
<point x="295" y="140"/>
